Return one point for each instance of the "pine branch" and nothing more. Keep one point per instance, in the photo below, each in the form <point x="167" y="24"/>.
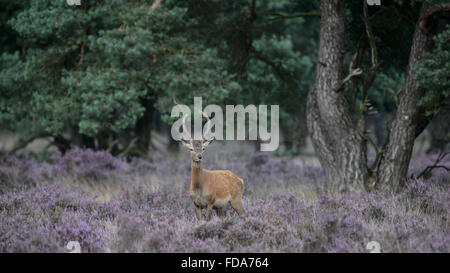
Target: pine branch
<point x="280" y="16"/>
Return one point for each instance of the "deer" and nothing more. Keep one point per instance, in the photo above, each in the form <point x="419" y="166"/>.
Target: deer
<point x="211" y="189"/>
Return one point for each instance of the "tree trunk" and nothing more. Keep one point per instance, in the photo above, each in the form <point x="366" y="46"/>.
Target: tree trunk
<point x="61" y="143"/>
<point x="103" y="140"/>
<point x="402" y="131"/>
<point x="80" y="140"/>
<point x="336" y="139"/>
<point x="144" y="126"/>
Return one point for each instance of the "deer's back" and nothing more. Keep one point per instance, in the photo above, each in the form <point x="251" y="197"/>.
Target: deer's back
<point x="224" y="183"/>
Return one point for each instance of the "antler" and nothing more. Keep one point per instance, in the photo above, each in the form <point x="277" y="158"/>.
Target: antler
<point x="208" y="129"/>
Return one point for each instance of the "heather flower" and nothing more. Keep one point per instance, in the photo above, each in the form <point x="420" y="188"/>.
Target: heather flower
<point x="109" y="205"/>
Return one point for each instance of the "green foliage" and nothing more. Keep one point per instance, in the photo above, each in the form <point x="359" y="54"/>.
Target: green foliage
<point x="8" y="39"/>
<point x="272" y="56"/>
<point x="14" y="93"/>
<point x="390" y="24"/>
<point x="433" y="74"/>
<point x="91" y="66"/>
<point x="386" y="90"/>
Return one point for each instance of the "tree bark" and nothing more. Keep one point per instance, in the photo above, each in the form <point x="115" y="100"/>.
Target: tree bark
<point x="144" y="126"/>
<point x="402" y="131"/>
<point x="80" y="140"/>
<point x="336" y="139"/>
<point x="103" y="140"/>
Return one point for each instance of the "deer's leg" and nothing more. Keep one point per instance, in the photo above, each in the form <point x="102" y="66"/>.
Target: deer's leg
<point x="208" y="212"/>
<point x="198" y="212"/>
<point x="238" y="206"/>
<point x="220" y="212"/>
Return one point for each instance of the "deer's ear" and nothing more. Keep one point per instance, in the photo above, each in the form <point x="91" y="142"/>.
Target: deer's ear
<point x="207" y="142"/>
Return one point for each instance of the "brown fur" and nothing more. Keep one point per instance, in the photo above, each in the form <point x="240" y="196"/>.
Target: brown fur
<point x="211" y="189"/>
<point x="214" y="189"/>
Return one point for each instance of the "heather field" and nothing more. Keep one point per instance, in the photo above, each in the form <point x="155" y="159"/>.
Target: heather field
<point x="109" y="205"/>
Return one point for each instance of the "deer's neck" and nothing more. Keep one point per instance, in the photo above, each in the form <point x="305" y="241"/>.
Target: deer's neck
<point x="196" y="175"/>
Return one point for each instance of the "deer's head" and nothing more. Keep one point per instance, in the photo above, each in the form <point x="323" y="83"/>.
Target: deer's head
<point x="197" y="147"/>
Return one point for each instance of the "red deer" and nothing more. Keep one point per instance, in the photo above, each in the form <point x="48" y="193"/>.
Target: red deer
<point x="212" y="189"/>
